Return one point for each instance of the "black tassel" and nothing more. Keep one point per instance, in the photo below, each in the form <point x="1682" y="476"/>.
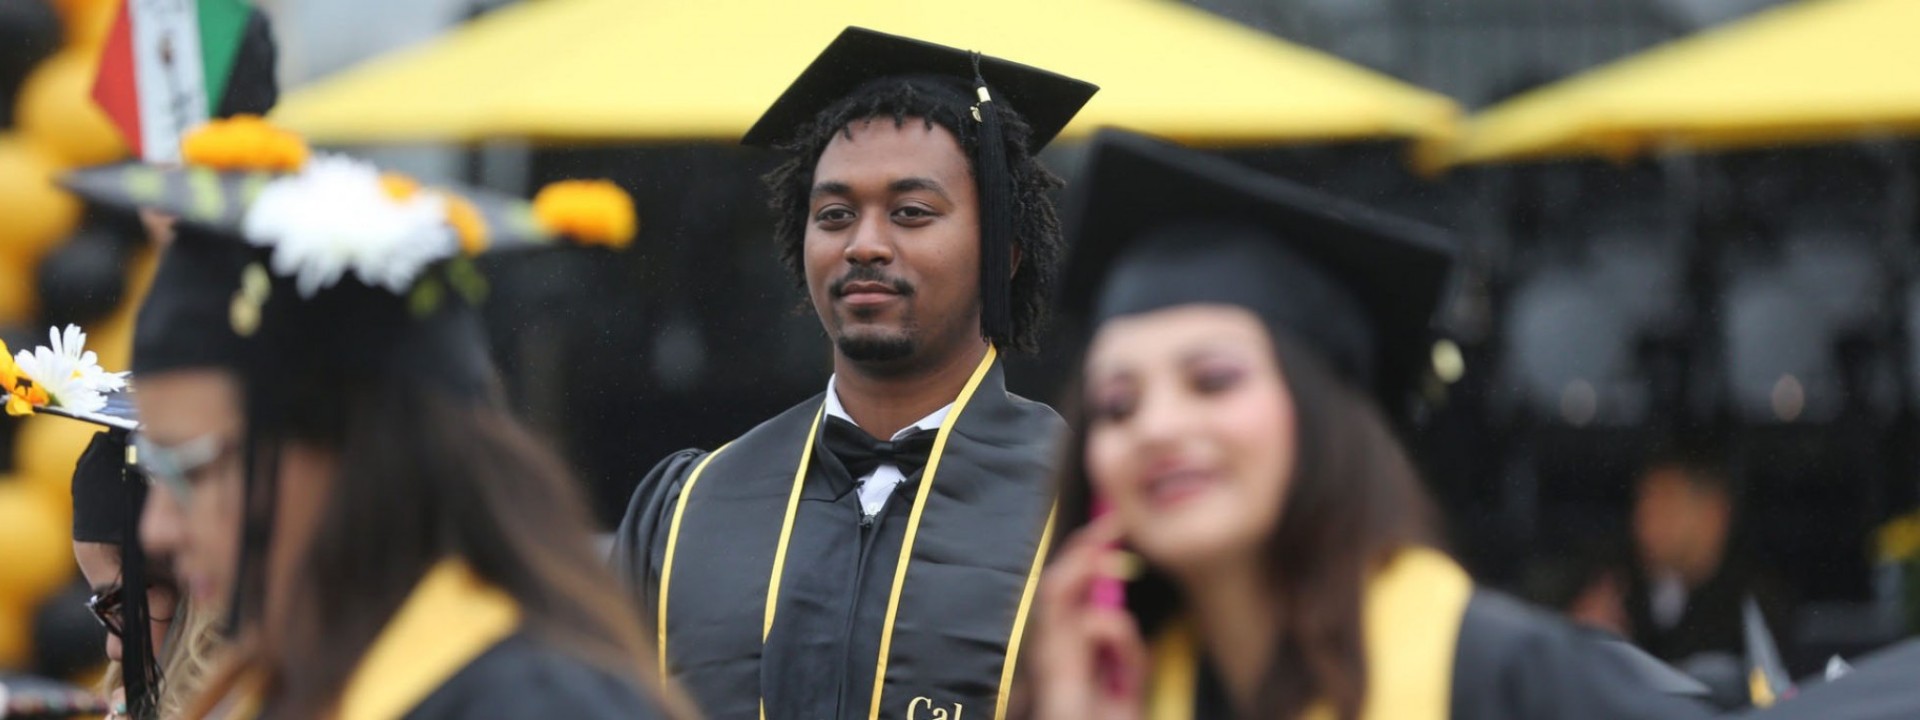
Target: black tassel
<point x="139" y="669"/>
<point x="996" y="217"/>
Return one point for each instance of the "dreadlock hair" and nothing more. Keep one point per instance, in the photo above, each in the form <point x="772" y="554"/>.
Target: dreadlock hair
<point x="945" y="102"/>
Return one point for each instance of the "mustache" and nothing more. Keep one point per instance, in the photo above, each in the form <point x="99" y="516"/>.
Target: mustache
<point x="869" y="273"/>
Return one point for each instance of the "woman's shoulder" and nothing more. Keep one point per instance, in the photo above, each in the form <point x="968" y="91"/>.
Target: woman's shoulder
<point x="1515" y="660"/>
<point x="524" y="677"/>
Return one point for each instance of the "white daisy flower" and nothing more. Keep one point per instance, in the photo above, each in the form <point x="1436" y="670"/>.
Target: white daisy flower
<point x="69" y="373"/>
<point x="334" y="216"/>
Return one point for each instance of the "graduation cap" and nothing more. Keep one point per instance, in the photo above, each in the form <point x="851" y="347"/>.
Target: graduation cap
<point x="1153" y="225"/>
<point x="988" y="90"/>
<point x="1767" y="677"/>
<point x="1880" y="687"/>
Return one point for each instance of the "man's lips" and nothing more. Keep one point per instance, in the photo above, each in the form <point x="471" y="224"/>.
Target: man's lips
<point x="867" y="293"/>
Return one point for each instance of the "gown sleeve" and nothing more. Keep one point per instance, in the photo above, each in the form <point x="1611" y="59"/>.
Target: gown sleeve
<point x="637" y="550"/>
<point x="1514" y="662"/>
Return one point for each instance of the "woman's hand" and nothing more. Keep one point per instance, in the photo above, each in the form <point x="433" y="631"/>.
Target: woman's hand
<point x="1089" y="659"/>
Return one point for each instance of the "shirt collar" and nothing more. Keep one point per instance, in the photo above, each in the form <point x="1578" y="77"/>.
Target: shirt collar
<point x="931" y="422"/>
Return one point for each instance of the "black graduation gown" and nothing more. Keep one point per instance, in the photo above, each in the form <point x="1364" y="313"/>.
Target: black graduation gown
<point x="520" y="678"/>
<point x="709" y="537"/>
<point x="455" y="649"/>
<point x="1507" y="661"/>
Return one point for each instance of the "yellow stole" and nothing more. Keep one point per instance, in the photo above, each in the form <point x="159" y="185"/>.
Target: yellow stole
<point x="1411" y="626"/>
<point x="448" y="620"/>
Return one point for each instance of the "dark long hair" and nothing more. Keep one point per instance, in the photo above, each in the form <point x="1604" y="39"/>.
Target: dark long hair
<point x="1353" y="501"/>
<point x="923" y="99"/>
<point x="428" y="469"/>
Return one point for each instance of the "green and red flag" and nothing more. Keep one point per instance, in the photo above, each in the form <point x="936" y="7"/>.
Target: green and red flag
<point x="165" y="67"/>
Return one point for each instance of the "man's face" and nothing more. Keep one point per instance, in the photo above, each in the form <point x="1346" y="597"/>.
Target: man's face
<point x="893" y="243"/>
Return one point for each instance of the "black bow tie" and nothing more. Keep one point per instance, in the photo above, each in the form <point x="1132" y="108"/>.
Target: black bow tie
<point x="862" y="454"/>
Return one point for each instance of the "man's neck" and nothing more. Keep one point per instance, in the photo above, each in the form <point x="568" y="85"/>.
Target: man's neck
<point x="884" y="404"/>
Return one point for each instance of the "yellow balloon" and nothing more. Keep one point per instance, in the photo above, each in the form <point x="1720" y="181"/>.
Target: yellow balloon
<point x="35" y="215"/>
<point x="18" y="301"/>
<point x="16" y="634"/>
<point x="39" y="546"/>
<point x="56" y="113"/>
<point x="45" y="452"/>
<point x="86" y="21"/>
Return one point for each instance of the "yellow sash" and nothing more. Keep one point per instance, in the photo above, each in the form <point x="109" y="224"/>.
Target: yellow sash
<point x="1412" y="623"/>
<point x="450" y="618"/>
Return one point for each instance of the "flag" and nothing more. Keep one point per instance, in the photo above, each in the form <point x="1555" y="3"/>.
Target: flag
<point x="165" y="67"/>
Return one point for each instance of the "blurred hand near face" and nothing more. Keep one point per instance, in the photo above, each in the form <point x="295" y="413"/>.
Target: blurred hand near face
<point x="1089" y="660"/>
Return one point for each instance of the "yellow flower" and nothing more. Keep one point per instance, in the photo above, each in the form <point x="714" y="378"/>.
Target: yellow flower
<point x="399" y="187"/>
<point x="591" y="212"/>
<point x="1899" y="538"/>
<point x="468" y="224"/>
<point x="21" y="393"/>
<point x="244" y="142"/>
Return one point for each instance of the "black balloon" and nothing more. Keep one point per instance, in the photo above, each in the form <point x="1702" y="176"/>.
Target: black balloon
<point x="84" y="279"/>
<point x="67" y="641"/>
<point x="29" y="32"/>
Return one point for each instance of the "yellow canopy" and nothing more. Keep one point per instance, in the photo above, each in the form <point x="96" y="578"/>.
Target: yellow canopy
<point x="650" y="69"/>
<point x="1814" y="70"/>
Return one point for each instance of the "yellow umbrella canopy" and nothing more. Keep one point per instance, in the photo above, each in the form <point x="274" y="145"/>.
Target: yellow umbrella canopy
<point x="581" y="70"/>
<point x="1811" y="71"/>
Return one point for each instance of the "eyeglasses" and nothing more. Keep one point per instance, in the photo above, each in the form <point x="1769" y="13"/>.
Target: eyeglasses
<point x="171" y="465"/>
<point x="105" y="606"/>
<point x="108" y="605"/>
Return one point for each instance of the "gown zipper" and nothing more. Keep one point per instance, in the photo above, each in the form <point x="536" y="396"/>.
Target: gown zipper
<point x="869" y="531"/>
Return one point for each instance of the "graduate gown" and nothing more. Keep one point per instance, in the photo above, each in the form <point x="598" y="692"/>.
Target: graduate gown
<point x="1438" y="647"/>
<point x="455" y="650"/>
<point x="774" y="595"/>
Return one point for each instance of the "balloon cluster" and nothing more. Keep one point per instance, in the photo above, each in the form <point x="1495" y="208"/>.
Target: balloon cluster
<point x="55" y="266"/>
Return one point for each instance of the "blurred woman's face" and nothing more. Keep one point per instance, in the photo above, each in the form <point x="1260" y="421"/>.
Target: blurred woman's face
<point x="100" y="565"/>
<point x="192" y="516"/>
<point x="1190" y="435"/>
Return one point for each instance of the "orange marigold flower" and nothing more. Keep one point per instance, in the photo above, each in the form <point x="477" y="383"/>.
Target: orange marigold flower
<point x="244" y="142"/>
<point x="468" y="224"/>
<point x="591" y="212"/>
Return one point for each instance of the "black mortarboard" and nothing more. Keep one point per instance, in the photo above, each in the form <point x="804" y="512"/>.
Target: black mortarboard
<point x="977" y="86"/>
<point x="1153" y="225"/>
<point x="1046" y="100"/>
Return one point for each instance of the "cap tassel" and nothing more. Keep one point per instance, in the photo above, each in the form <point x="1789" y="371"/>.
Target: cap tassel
<point x="140" y="671"/>
<point x="996" y="217"/>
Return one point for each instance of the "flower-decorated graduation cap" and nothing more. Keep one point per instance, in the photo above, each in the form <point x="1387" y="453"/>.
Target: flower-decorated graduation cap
<point x="345" y="267"/>
<point x="989" y="91"/>
<point x="1153" y="226"/>
<point x="64" y="378"/>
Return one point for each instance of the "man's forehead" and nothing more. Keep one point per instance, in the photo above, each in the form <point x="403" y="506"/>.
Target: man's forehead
<point x="880" y="150"/>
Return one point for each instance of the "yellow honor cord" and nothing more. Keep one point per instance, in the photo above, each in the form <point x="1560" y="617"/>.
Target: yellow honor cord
<point x="673" y="538"/>
<point x="913" y="524"/>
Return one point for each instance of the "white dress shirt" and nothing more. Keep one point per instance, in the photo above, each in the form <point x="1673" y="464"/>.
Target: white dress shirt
<point x="876" y="486"/>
